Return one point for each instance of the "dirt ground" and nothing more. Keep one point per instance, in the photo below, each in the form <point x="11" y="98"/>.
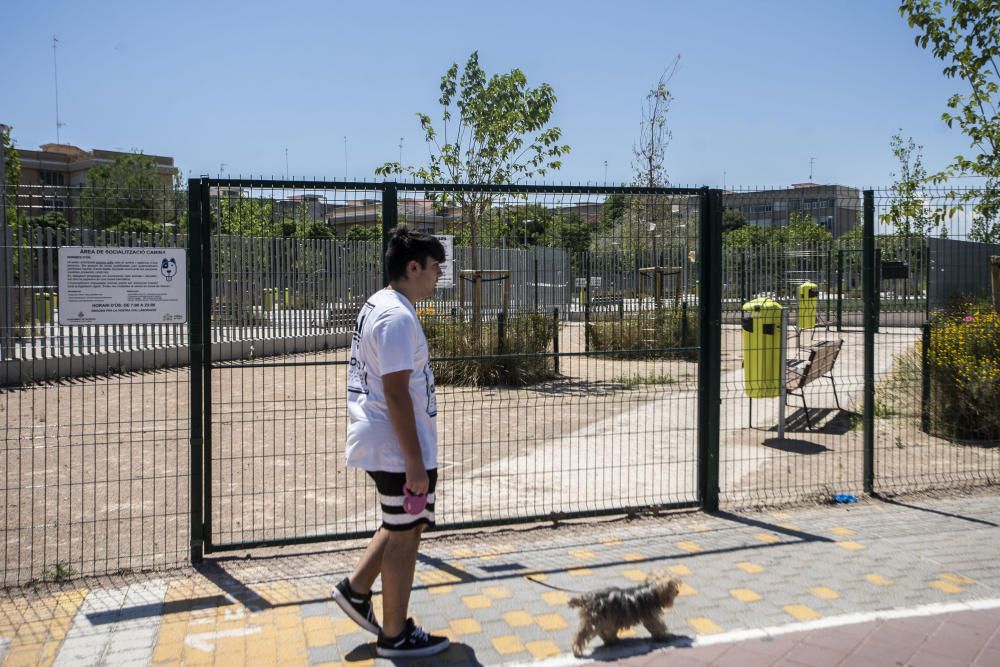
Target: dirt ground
<point x="96" y="471"/>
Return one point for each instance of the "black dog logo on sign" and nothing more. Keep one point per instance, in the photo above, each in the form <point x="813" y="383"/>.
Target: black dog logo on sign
<point x="168" y="267"/>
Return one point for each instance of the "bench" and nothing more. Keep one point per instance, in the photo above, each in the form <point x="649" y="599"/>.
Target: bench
<point x="818" y="363"/>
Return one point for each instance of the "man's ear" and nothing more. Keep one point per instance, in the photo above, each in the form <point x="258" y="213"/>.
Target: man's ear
<point x="412" y="267"/>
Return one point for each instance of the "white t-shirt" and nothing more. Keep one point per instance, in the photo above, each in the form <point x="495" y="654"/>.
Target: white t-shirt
<point x="388" y="338"/>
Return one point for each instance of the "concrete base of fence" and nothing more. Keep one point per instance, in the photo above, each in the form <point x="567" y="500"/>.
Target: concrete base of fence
<point x="32" y="371"/>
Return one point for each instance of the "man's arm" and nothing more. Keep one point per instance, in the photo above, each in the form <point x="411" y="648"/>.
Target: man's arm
<point x="397" y="397"/>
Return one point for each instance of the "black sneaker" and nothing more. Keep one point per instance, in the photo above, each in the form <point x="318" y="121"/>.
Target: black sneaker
<point x="357" y="606"/>
<point x="413" y="641"/>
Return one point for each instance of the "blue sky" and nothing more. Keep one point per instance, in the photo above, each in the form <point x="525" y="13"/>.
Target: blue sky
<point x="762" y="86"/>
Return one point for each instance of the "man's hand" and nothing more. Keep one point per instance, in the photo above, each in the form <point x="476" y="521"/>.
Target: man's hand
<point x="416" y="478"/>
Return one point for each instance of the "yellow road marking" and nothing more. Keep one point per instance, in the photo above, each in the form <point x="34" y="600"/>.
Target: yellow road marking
<point x="633" y="557"/>
<point x="750" y="568"/>
<point x="685" y="590"/>
<point x="879" y="580"/>
<point x="550" y="622"/>
<point x="679" y="570"/>
<point x="744" y="595"/>
<point x="824" y="593"/>
<point x="801" y="612"/>
<point x="465" y="626"/>
<point x="843" y="532"/>
<point x="850" y="546"/>
<point x="956" y="579"/>
<point x="518" y="619"/>
<point x="556" y="598"/>
<point x="507" y="645"/>
<point x="582" y="554"/>
<point x="497" y="592"/>
<point x="543" y="649"/>
<point x="581" y="572"/>
<point x="690" y="547"/>
<point x="946" y="587"/>
<point x="634" y="575"/>
<point x="476" y="601"/>
<point x="704" y="626"/>
<point x="767" y="538"/>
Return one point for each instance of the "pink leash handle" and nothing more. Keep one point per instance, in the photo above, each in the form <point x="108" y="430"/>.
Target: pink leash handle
<point x="414" y="503"/>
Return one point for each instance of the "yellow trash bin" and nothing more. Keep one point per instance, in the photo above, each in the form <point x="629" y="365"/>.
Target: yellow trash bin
<point x="808" y="294"/>
<point x="762" y="361"/>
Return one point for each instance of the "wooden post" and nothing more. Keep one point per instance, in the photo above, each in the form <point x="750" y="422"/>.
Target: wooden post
<point x="995" y="271"/>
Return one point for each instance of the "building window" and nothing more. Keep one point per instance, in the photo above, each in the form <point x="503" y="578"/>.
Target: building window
<point x="51" y="178"/>
<point x="51" y="204"/>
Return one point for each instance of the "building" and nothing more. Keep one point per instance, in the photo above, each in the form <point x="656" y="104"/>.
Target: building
<point x="52" y="177"/>
<point x="837" y="208"/>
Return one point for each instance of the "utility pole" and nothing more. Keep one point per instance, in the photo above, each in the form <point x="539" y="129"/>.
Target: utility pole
<point x="286" y="164"/>
<point x="55" y="71"/>
<point x="605" y="172"/>
<point x="345" y="158"/>
<point x="401" y="151"/>
<point x="811" y="161"/>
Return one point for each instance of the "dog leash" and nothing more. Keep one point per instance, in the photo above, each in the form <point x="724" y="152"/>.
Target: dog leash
<point x="555" y="588"/>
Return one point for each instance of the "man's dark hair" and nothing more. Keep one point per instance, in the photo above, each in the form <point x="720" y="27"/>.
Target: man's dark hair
<point x="406" y="244"/>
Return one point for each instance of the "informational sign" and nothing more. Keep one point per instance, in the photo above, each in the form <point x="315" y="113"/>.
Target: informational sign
<point x="447" y="278"/>
<point x="122" y="285"/>
<point x="581" y="282"/>
<point x="596" y="281"/>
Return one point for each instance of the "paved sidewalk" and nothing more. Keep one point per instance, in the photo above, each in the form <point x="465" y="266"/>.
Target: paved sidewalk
<point x="913" y="582"/>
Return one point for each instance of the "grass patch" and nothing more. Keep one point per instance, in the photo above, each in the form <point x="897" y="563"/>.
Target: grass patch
<point x="663" y="332"/>
<point x="651" y="379"/>
<point x="490" y="344"/>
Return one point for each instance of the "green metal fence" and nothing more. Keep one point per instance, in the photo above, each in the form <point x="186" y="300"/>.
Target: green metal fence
<point x="591" y="352"/>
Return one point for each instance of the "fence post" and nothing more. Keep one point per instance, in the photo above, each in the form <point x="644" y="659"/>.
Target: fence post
<point x="555" y="339"/>
<point x="870" y="290"/>
<point x="390" y="218"/>
<point x="196" y="358"/>
<point x="840" y="290"/>
<point x="501" y="332"/>
<point x="710" y="346"/>
<point x="925" y="378"/>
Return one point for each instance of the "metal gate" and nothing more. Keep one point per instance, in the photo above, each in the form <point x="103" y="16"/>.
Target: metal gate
<point x="568" y="381"/>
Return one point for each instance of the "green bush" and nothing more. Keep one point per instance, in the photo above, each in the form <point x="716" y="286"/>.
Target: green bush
<point x="522" y="334"/>
<point x="964" y="363"/>
<point x="656" y="333"/>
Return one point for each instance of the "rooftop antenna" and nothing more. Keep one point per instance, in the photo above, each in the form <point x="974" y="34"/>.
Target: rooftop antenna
<point x="401" y="152"/>
<point x="345" y="157"/>
<point x="605" y="172"/>
<point x="811" y="160"/>
<point x="55" y="71"/>
<point x="286" y="164"/>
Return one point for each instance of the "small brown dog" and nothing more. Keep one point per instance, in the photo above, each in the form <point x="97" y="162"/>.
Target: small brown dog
<point x="604" y="612"/>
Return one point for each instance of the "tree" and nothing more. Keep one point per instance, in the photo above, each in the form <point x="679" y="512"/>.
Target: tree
<point x="573" y="233"/>
<point x="908" y="212"/>
<point x="11" y="175"/>
<point x="246" y="216"/>
<point x="965" y="34"/>
<point x="732" y="219"/>
<point x="493" y="131"/>
<point x="363" y="233"/>
<point x="614" y="208"/>
<point x="130" y="188"/>
<point x="801" y="228"/>
<point x="650" y="152"/>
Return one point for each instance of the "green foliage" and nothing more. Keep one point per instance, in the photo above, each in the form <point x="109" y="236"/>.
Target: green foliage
<point x="613" y="209"/>
<point x="908" y="212"/>
<point x="658" y="329"/>
<point x="523" y="334"/>
<point x="247" y="216"/>
<point x="130" y="187"/>
<point x="964" y="34"/>
<point x="800" y="229"/>
<point x="637" y="379"/>
<point x="964" y="360"/>
<point x="12" y="174"/>
<point x="732" y="219"/>
<point x="363" y="233"/>
<point x="493" y="130"/>
<point x="572" y="233"/>
<point x="52" y="220"/>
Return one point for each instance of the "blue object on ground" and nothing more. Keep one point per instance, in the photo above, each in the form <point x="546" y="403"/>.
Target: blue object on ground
<point x="845" y="498"/>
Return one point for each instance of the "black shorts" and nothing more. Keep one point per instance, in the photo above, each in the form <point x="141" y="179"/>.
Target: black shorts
<point x="390" y="496"/>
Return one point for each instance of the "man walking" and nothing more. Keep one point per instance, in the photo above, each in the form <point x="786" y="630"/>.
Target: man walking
<point x="392" y="435"/>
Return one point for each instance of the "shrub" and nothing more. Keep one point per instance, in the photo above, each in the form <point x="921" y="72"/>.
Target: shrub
<point x="521" y="334"/>
<point x="662" y="332"/>
<point x="964" y="362"/>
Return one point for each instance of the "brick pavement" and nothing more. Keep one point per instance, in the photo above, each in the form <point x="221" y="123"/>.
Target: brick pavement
<point x="912" y="582"/>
